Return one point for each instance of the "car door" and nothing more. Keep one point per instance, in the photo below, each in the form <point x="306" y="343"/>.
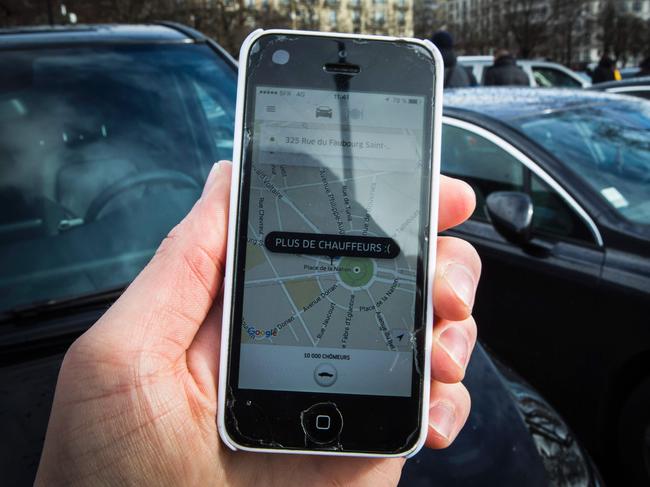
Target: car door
<point x="534" y="302"/>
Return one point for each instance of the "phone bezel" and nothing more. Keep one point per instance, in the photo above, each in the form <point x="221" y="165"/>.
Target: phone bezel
<point x="417" y="402"/>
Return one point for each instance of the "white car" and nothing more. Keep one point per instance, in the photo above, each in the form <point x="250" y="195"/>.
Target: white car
<point x="540" y="73"/>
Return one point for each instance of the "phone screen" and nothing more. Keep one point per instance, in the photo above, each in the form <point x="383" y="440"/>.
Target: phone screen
<point x="333" y="238"/>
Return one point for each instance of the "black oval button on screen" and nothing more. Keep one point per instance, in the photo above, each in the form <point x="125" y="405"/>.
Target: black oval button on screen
<point x="322" y="422"/>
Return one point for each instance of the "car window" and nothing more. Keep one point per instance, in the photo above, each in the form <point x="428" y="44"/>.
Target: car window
<point x="481" y="163"/>
<point x="218" y="113"/>
<point x="552" y="216"/>
<point x="607" y="145"/>
<point x="102" y="151"/>
<point x="478" y="72"/>
<point x="547" y="77"/>
<point x="473" y="69"/>
<point x="488" y="168"/>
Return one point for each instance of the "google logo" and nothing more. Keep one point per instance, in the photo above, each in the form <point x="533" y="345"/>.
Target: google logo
<point x="257" y="334"/>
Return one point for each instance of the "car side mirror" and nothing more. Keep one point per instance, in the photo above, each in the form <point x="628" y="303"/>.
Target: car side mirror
<point x="511" y="213"/>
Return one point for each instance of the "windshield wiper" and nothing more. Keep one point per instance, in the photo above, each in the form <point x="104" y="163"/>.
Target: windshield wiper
<point x="32" y="312"/>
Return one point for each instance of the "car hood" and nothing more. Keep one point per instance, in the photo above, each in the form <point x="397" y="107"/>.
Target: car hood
<point x="494" y="448"/>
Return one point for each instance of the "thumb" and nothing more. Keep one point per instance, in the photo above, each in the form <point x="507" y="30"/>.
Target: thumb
<point x="166" y="304"/>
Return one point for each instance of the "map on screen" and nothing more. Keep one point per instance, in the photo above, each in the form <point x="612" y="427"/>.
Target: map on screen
<point x="333" y="233"/>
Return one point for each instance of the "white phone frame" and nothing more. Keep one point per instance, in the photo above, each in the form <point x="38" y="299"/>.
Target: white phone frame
<point x="230" y="255"/>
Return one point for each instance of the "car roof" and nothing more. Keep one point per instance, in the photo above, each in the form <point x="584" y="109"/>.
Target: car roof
<point x="490" y="60"/>
<point x="509" y="102"/>
<point x="43" y="36"/>
<point x="475" y="59"/>
<point x="639" y="81"/>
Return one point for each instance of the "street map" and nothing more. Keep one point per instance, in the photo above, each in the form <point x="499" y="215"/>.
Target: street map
<point x="332" y="241"/>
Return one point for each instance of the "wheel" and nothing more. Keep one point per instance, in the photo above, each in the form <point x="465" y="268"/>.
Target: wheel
<point x="122" y="186"/>
<point x="634" y="436"/>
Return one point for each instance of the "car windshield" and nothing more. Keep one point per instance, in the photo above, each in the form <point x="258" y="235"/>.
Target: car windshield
<point x="608" y="145"/>
<point x="102" y="151"/>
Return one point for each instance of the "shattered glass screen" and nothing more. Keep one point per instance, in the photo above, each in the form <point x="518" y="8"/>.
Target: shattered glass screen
<point x="333" y="234"/>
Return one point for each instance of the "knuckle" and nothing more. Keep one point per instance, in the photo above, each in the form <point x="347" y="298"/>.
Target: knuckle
<point x="472" y="328"/>
<point x="467" y="196"/>
<point x="84" y="351"/>
<point x="75" y="353"/>
<point x="468" y="250"/>
<point x="183" y="249"/>
<point x="169" y="240"/>
<point x="82" y="359"/>
<point x="203" y="264"/>
<point x="465" y="399"/>
<point x="454" y="248"/>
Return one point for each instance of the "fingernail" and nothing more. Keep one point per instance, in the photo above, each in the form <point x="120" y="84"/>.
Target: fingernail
<point x="455" y="344"/>
<point x="216" y="167"/>
<point x="462" y="283"/>
<point x="442" y="418"/>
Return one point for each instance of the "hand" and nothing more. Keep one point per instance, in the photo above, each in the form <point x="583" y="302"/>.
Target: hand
<point x="136" y="398"/>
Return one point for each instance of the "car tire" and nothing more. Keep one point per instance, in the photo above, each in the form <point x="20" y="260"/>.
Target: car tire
<point x="634" y="435"/>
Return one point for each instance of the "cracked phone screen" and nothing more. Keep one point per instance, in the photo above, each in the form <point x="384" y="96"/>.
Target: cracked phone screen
<point x="335" y="230"/>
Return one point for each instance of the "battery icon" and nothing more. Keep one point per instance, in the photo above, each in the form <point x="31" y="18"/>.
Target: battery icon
<point x="413" y="101"/>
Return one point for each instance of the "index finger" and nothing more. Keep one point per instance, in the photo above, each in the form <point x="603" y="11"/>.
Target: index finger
<point x="457" y="202"/>
<point x="170" y="298"/>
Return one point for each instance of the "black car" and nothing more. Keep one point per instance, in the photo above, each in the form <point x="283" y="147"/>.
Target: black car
<point x="106" y="136"/>
<point x="562" y="224"/>
<point x="630" y="86"/>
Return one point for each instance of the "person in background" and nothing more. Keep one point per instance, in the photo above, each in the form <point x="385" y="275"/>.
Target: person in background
<point x="644" y="67"/>
<point x="605" y="71"/>
<point x="456" y="76"/>
<point x="505" y="72"/>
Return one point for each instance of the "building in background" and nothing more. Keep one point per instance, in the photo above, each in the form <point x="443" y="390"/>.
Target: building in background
<point x="428" y="17"/>
<point x="572" y="32"/>
<point x="228" y="21"/>
<point x="390" y="17"/>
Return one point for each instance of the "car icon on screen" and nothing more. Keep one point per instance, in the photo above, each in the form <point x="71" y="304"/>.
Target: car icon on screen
<point x="323" y="111"/>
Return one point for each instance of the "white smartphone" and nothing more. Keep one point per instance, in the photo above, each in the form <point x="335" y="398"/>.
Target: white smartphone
<point x="326" y="334"/>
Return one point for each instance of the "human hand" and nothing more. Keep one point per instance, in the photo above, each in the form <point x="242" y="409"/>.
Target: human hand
<point x="136" y="398"/>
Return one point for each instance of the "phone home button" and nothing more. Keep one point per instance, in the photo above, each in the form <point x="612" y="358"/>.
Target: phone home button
<point x="322" y="423"/>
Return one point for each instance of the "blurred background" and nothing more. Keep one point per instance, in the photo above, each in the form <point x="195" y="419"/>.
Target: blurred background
<point x="574" y="33"/>
<point x="112" y="111"/>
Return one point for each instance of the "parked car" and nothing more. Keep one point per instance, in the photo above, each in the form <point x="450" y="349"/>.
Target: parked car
<point x="629" y="72"/>
<point x="540" y="73"/>
<point x="106" y="136"/>
<point x="584" y="76"/>
<point x="631" y="86"/>
<point x="323" y="111"/>
<point x="562" y="224"/>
